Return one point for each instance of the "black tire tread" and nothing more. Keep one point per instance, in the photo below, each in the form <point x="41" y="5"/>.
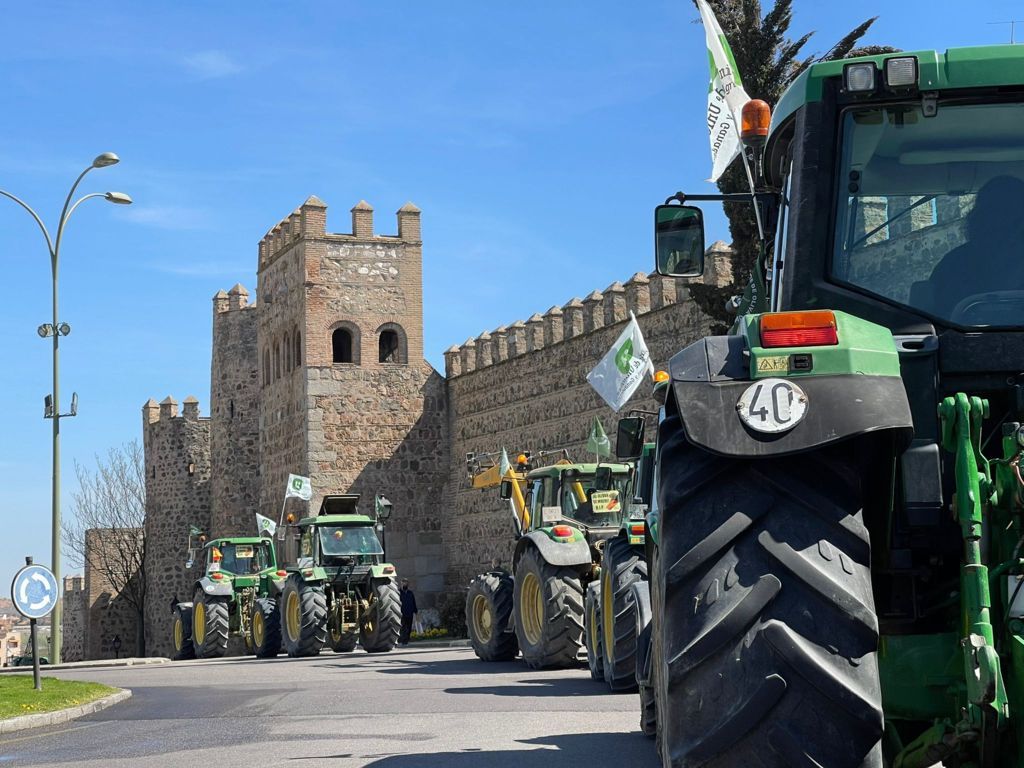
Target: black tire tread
<point x="498" y="588"/>
<point x="768" y="566"/>
<point x="593" y="635"/>
<point x="313" y="629"/>
<point x="623" y="565"/>
<point x="187" y="650"/>
<point x="215" y="640"/>
<point x="562" y="634"/>
<point x="267" y="606"/>
<point x="387" y="619"/>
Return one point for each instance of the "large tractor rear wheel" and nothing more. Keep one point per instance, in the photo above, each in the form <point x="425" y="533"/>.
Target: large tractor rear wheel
<point x="592" y="631"/>
<point x="181" y="632"/>
<point x="209" y="625"/>
<point x="621" y="567"/>
<point x="303" y="611"/>
<point x="764" y="630"/>
<point x="265" y="626"/>
<point x="383" y="621"/>
<point x="549" y="612"/>
<point x="489" y="602"/>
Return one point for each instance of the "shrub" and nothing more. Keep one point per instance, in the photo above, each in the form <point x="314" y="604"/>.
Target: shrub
<point x="452" y="610"/>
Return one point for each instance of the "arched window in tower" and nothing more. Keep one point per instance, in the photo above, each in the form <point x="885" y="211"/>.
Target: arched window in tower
<point x="287" y="352"/>
<point x="266" y="367"/>
<point x="391" y="346"/>
<point x="277" y="360"/>
<point x="341" y="345"/>
<point x="296" y="344"/>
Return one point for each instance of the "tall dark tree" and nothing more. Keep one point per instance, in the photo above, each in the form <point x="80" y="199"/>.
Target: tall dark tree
<point x="768" y="60"/>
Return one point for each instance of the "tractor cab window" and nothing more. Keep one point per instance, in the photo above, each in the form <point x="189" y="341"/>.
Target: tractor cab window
<point x="348" y="541"/>
<point x="931" y="210"/>
<point x="241" y="559"/>
<point x="583" y="502"/>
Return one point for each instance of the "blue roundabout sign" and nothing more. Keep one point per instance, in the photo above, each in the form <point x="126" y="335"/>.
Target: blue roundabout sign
<point x="35" y="591"/>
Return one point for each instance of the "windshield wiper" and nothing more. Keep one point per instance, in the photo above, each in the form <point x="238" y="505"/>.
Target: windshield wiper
<point x="887" y="222"/>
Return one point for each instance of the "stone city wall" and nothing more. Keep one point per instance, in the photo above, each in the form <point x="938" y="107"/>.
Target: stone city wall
<point x="523" y="387"/>
<point x="73" y="620"/>
<point x="177" y="452"/>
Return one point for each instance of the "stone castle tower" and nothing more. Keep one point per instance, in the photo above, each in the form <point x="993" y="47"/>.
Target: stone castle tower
<point x="345" y="395"/>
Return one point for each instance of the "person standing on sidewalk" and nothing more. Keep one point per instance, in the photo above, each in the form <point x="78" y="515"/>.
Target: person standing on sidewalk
<point x="409" y="610"/>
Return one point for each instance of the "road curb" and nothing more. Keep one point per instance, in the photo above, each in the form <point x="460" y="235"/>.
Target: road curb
<point x="94" y="664"/>
<point x="59" y="716"/>
<point x="433" y="644"/>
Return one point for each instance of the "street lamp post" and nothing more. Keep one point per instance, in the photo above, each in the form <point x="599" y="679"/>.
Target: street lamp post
<point x="57" y="329"/>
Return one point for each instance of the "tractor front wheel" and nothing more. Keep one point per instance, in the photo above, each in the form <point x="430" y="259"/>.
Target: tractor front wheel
<point x="549" y="612"/>
<point x="209" y="625"/>
<point x="592" y="608"/>
<point x="764" y="629"/>
<point x="383" y="619"/>
<point x="303" y="616"/>
<point x="621" y="567"/>
<point x="265" y="628"/>
<point x="489" y="602"/>
<point x="181" y="632"/>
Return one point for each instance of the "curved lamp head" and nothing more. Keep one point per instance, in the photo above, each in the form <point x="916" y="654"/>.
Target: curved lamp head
<point x="120" y="198"/>
<point x="107" y="158"/>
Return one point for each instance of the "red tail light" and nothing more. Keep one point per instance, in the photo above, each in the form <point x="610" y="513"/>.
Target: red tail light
<point x="799" y="329"/>
<point x="389" y="569"/>
<point x="217" y="576"/>
<point x="282" y="573"/>
<point x="562" y="531"/>
<point x="636" y="529"/>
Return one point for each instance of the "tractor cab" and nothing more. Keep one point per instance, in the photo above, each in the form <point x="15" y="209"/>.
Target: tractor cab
<point x="587" y="497"/>
<point x="240" y="556"/>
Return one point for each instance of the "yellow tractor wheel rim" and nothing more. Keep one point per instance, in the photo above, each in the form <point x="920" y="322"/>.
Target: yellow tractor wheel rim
<point x="608" y="613"/>
<point x="483" y="620"/>
<point x="531" y="608"/>
<point x="257" y="629"/>
<point x="293" y="616"/>
<point x="179" y="633"/>
<point x="199" y="623"/>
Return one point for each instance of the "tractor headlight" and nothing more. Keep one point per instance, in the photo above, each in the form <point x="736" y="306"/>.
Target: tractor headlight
<point x="901" y="72"/>
<point x="859" y="78"/>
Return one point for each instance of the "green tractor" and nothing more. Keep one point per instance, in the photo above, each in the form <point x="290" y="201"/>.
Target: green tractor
<point x="231" y="599"/>
<point x="564" y="514"/>
<point x="836" y="544"/>
<point x="611" y="619"/>
<point x="338" y="590"/>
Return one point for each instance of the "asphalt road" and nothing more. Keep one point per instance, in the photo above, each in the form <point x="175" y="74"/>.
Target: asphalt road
<point x="423" y="708"/>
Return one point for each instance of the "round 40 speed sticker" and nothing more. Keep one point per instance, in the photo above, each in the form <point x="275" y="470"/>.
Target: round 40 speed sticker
<point x="772" y="405"/>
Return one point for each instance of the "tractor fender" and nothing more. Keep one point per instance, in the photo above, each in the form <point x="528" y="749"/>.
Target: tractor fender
<point x="710" y="376"/>
<point x="216" y="588"/>
<point x="556" y="553"/>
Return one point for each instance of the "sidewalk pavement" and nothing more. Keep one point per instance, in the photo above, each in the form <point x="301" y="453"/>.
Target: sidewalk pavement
<point x="130" y="662"/>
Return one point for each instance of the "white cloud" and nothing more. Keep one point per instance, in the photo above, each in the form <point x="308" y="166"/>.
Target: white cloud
<point x="208" y="65"/>
<point x="167" y="216"/>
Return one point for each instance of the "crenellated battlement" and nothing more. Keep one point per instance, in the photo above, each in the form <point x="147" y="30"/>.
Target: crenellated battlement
<point x="227" y="301"/>
<point x="167" y="410"/>
<point x="309" y="221"/>
<point x="641" y="294"/>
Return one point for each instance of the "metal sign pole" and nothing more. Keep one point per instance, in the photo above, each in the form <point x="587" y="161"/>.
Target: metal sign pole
<point x="35" y="657"/>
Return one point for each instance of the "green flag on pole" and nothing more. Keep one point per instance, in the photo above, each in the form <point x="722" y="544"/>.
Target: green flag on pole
<point x="505" y="466"/>
<point x="598" y="442"/>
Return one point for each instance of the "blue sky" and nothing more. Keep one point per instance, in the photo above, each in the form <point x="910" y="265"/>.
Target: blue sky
<point x="509" y="126"/>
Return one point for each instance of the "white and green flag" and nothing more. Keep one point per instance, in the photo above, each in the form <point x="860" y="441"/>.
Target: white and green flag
<point x="300" y="487"/>
<point x="504" y="465"/>
<point x="620" y="371"/>
<point x="598" y="442"/>
<point x="726" y="96"/>
<point x="265" y="525"/>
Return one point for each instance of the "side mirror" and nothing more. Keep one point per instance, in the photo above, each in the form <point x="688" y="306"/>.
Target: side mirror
<point x="629" y="442"/>
<point x="679" y="240"/>
<point x="505" y="490"/>
<point x="603" y="479"/>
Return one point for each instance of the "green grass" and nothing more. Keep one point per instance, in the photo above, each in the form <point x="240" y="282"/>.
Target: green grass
<point x="18" y="697"/>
